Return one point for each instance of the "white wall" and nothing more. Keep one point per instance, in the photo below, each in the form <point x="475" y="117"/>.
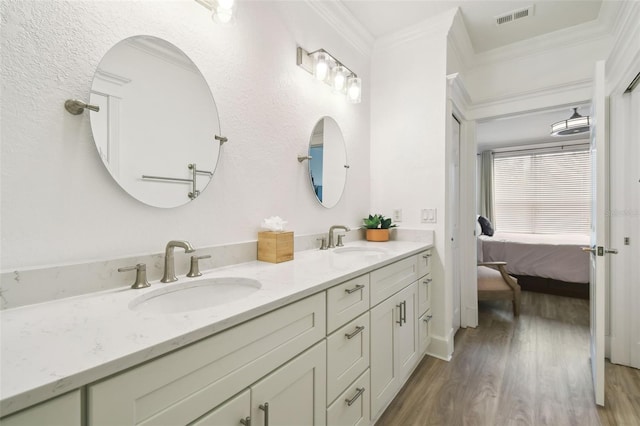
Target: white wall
<point x="59" y="203"/>
<point x="408" y="165"/>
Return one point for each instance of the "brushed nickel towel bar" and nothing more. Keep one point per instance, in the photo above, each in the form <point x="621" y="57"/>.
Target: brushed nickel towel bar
<point x="194" y="172"/>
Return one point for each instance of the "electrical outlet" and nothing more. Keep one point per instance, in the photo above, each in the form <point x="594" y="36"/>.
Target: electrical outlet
<point x="397" y="215"/>
<point x="428" y="216"/>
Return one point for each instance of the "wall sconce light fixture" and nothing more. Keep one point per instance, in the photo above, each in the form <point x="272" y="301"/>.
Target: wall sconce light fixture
<point x="328" y="69"/>
<point x="223" y="11"/>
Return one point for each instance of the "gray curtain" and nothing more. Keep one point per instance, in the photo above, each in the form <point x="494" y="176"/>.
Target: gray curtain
<point x="486" y="185"/>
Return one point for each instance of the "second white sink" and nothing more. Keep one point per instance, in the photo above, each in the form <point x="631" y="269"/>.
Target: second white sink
<point x="192" y="296"/>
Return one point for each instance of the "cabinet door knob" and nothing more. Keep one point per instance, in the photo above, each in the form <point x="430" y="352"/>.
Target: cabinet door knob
<point x="355" y="332"/>
<point x="355" y="397"/>
<point x="265" y="407"/>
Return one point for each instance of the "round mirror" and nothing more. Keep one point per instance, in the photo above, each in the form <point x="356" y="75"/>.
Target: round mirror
<point x="157" y="128"/>
<point x="328" y="163"/>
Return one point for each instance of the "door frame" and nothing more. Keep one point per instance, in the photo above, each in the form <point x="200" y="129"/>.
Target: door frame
<point x="458" y="104"/>
<point x="623" y="267"/>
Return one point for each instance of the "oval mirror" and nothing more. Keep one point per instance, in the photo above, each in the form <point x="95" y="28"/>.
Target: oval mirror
<point x="328" y="163"/>
<point x="157" y="127"/>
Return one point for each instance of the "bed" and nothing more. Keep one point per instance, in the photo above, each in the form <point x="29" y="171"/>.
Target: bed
<point x="547" y="263"/>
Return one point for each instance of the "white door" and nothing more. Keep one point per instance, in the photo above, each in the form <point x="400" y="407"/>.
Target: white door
<point x="599" y="229"/>
<point x="454" y="212"/>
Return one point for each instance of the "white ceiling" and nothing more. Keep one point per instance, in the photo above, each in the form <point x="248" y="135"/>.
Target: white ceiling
<point x="383" y="17"/>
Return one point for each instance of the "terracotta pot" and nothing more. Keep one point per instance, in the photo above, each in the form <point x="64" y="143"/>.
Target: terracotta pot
<point x="377" y="234"/>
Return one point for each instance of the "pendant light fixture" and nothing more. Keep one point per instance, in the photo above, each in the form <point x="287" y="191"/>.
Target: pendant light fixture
<point x="575" y="124"/>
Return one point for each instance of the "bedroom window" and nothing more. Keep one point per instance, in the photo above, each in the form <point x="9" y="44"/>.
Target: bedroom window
<point x="543" y="192"/>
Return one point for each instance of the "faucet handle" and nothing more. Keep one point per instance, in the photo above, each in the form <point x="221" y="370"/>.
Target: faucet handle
<point x="141" y="275"/>
<point x="195" y="268"/>
<point x="323" y="244"/>
<point x="339" y="243"/>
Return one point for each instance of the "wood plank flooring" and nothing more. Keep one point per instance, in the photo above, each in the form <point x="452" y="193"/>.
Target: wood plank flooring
<point x="530" y="371"/>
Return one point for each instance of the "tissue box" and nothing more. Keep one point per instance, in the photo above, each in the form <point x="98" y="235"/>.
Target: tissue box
<point x="275" y="247"/>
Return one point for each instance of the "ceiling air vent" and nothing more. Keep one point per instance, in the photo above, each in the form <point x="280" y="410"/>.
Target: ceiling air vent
<point x="514" y="15"/>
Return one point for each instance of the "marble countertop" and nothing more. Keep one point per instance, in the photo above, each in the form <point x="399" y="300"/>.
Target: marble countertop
<point x="51" y="348"/>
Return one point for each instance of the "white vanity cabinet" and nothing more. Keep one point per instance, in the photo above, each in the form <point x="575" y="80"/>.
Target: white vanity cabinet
<point x="64" y="410"/>
<point x="182" y="386"/>
<point x="394" y="333"/>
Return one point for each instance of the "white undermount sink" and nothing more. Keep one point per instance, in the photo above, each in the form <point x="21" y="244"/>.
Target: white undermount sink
<point x="360" y="250"/>
<point x="192" y="296"/>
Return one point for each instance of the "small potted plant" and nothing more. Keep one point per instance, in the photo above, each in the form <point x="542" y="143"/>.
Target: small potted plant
<point x="377" y="227"/>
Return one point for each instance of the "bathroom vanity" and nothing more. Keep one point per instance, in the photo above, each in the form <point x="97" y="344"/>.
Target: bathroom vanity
<point x="329" y="338"/>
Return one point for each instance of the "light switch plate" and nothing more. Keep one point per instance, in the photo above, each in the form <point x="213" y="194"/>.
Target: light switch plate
<point x="428" y="216"/>
<point x="397" y="215"/>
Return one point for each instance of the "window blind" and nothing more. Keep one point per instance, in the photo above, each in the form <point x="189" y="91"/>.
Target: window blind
<point x="543" y="193"/>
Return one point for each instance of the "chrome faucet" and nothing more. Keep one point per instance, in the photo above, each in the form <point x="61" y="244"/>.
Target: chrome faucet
<point x="331" y="244"/>
<point x="169" y="264"/>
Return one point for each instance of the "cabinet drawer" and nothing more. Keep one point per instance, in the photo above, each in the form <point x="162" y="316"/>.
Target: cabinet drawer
<point x="347" y="355"/>
<point x="424" y="335"/>
<point x="424" y="294"/>
<point x="182" y="386"/>
<point x="346" y="301"/>
<point x="424" y="263"/>
<point x="393" y="278"/>
<point x="340" y="413"/>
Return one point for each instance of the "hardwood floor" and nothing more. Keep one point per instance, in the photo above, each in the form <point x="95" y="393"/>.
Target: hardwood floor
<point x="530" y="371"/>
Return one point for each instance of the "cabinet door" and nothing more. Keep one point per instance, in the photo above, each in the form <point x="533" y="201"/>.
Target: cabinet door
<point x="230" y="413"/>
<point x="424" y="294"/>
<point x="407" y="332"/>
<point x="384" y="373"/>
<point x="294" y="394"/>
<point x="64" y="411"/>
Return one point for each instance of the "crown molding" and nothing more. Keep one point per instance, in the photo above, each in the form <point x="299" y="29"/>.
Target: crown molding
<point x="438" y="24"/>
<point x="336" y="14"/>
<point x="568" y="94"/>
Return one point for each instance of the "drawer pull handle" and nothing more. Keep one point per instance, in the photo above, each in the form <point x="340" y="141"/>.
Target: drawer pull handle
<point x="399" y="306"/>
<point x="353" y="290"/>
<point x="426" y="256"/>
<point x="246" y="421"/>
<point x="427" y="281"/>
<point x="265" y="407"/>
<point x="428" y="318"/>
<point x="404" y="311"/>
<point x="355" y="397"/>
<point x="355" y="332"/>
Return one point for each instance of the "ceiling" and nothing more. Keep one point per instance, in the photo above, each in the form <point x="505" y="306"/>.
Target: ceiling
<point x="384" y="17"/>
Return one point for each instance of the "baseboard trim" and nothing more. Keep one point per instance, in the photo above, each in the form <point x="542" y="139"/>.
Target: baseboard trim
<point x="441" y="347"/>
